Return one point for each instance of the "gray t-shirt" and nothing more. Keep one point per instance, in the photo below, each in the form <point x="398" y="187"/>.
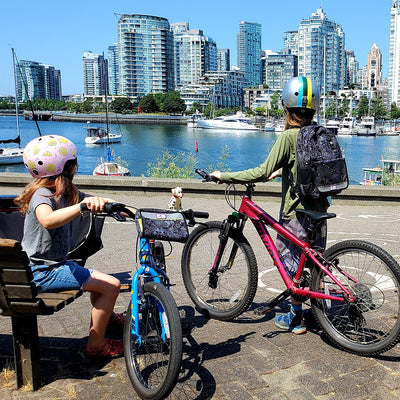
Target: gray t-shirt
<point x="46" y="246"/>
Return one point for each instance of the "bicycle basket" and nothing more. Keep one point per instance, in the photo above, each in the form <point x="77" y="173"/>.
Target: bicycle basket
<point x="161" y="224"/>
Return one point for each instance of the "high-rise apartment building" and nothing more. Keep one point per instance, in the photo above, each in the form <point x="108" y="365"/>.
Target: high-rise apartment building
<point x="352" y="67"/>
<point x="249" y="52"/>
<point x="113" y="69"/>
<point x="278" y="68"/>
<point x="36" y="80"/>
<point x="321" y="51"/>
<point x="194" y="54"/>
<point x="94" y="74"/>
<point x="394" y="54"/>
<point x="374" y="67"/>
<point x="291" y="42"/>
<point x="145" y="55"/>
<point x="223" y="60"/>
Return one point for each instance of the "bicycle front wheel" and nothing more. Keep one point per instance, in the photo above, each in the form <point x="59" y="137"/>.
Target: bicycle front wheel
<point x="370" y="325"/>
<point x="228" y="293"/>
<point x="153" y="366"/>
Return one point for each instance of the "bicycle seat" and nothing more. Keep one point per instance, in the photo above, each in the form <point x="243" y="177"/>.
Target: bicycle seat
<point x="316" y="215"/>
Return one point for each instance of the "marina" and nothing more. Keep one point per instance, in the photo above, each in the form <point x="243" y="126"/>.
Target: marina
<point x="143" y="144"/>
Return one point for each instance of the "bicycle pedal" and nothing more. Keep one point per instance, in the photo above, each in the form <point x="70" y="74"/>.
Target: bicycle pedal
<point x="262" y="310"/>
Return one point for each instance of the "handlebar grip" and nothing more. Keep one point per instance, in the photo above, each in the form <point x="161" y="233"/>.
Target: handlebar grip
<point x="206" y="176"/>
<point x="110" y="208"/>
<point x="200" y="214"/>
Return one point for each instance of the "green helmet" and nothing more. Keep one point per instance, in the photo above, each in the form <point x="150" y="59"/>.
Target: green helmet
<point x="300" y="92"/>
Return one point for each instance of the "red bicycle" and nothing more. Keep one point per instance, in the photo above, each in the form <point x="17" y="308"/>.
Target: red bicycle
<point x="353" y="286"/>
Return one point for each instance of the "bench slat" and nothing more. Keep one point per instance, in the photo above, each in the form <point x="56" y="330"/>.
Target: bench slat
<point x="37" y="307"/>
<point x="19" y="291"/>
<point x="67" y="297"/>
<point x="10" y="275"/>
<point x="13" y="260"/>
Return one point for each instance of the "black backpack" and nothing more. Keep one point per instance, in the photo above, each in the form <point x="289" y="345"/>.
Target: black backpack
<point x="321" y="167"/>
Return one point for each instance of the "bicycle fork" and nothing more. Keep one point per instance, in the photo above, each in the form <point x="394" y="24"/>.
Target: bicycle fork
<point x="139" y="302"/>
<point x="217" y="269"/>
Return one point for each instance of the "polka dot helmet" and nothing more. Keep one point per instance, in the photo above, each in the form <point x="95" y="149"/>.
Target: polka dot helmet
<point x="46" y="155"/>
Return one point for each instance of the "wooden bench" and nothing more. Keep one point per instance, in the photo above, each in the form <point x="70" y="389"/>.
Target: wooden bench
<point x="20" y="300"/>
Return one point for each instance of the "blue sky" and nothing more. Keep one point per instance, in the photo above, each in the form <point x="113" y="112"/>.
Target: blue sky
<point x="57" y="32"/>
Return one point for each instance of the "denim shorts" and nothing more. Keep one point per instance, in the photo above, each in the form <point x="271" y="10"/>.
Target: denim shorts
<point x="64" y="276"/>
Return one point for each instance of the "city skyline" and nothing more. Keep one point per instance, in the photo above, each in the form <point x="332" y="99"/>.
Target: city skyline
<point x="59" y="32"/>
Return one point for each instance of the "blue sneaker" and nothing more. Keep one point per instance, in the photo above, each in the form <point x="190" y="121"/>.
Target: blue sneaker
<point x="291" y="321"/>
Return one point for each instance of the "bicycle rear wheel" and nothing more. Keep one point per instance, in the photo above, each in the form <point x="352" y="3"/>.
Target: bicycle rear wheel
<point x="229" y="293"/>
<point x="370" y="325"/>
<point x="153" y="367"/>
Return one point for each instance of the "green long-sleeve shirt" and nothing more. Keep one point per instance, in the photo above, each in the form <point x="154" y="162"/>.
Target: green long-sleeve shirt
<point x="283" y="155"/>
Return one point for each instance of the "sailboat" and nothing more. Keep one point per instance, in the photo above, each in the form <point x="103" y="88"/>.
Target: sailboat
<point x="12" y="155"/>
<point x="109" y="166"/>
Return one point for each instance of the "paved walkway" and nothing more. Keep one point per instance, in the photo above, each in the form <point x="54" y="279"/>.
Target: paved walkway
<point x="241" y="360"/>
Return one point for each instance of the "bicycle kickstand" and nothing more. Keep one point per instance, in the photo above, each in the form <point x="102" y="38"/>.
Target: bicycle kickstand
<point x="271" y="305"/>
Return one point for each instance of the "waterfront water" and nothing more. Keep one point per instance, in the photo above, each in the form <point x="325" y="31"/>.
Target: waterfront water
<point x="143" y="144"/>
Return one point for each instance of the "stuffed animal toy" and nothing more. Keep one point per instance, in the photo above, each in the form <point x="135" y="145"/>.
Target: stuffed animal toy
<point x="175" y="202"/>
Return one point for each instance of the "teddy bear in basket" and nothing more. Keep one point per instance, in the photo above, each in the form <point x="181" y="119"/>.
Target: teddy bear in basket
<point x="175" y="203"/>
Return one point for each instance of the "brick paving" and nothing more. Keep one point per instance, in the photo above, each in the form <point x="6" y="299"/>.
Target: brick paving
<point x="241" y="360"/>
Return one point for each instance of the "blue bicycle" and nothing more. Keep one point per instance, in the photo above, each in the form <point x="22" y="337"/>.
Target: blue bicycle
<point x="152" y="331"/>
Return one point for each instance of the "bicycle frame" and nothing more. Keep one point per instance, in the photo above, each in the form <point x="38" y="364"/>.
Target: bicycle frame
<point x="261" y="220"/>
<point x="147" y="272"/>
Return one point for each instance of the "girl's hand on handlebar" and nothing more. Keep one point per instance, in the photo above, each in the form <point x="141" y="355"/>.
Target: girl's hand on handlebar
<point x="96" y="204"/>
<point x="217" y="175"/>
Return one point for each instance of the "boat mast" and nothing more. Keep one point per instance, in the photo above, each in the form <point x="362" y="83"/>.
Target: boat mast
<point x="26" y="90"/>
<point x="105" y="75"/>
<point x="16" y="96"/>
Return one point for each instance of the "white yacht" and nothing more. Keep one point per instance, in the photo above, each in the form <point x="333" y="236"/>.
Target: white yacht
<point x="333" y="125"/>
<point x="192" y="122"/>
<point x="101" y="136"/>
<point x="366" y="127"/>
<point x="229" y="122"/>
<point x="11" y="155"/>
<point x="347" y="126"/>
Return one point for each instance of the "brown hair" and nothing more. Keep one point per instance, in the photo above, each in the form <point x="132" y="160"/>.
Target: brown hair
<point x="298" y="117"/>
<point x="61" y="186"/>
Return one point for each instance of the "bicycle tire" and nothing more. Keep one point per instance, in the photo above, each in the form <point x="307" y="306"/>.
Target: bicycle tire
<point x="236" y="286"/>
<point x="153" y="367"/>
<point x="371" y="325"/>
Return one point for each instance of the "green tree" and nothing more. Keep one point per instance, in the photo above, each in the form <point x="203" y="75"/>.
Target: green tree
<point x="344" y="108"/>
<point x="378" y="109"/>
<point x="121" y="105"/>
<point x="363" y="107"/>
<point x="260" y="111"/>
<point x="209" y="110"/>
<point x="159" y="98"/>
<point x="196" y="106"/>
<point x="275" y="110"/>
<point x="148" y="104"/>
<point x="6" y="105"/>
<point x="394" y="111"/>
<point x="173" y="104"/>
<point x="331" y="109"/>
<point x="87" y="106"/>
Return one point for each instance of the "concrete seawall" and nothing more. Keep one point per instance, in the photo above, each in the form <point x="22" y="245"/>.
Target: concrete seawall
<point x="355" y="193"/>
<point x="146" y="119"/>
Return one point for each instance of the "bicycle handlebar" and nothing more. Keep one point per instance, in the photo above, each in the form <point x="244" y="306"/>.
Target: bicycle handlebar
<point x="206" y="177"/>
<point x="115" y="209"/>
